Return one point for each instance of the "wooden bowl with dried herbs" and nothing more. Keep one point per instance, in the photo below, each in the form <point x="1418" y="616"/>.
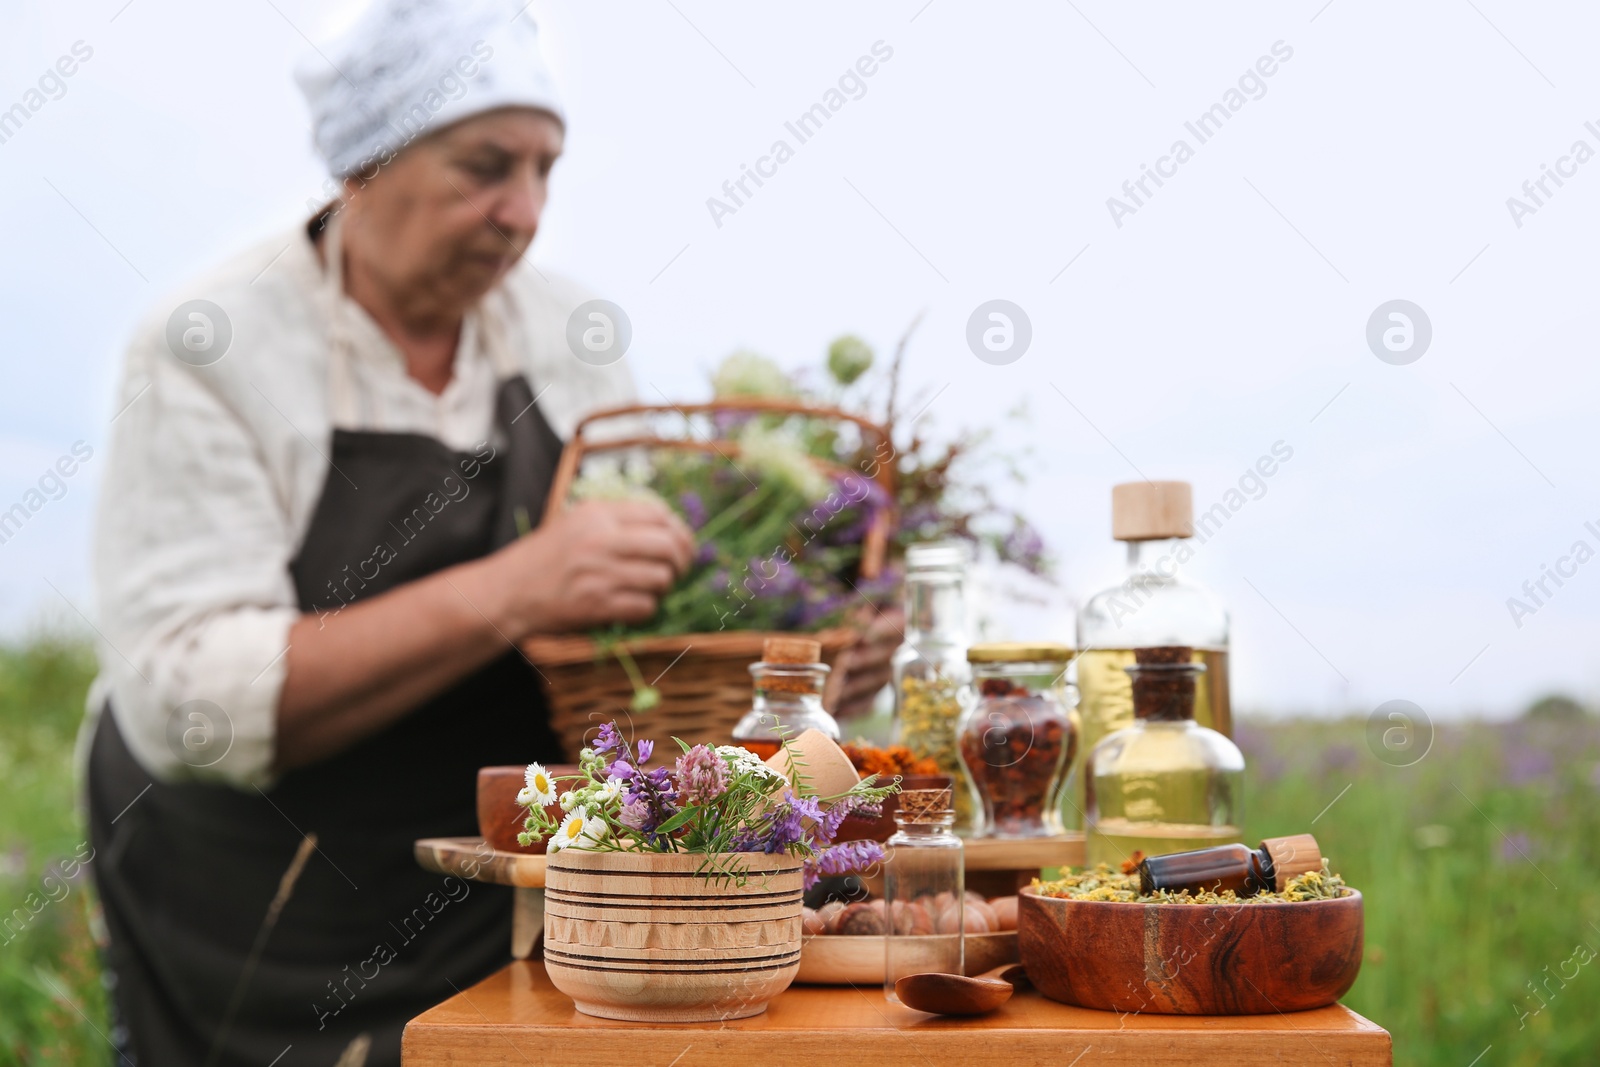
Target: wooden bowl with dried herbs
<point x="1092" y="940"/>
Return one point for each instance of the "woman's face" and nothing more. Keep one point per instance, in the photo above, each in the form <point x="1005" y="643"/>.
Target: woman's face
<point x="451" y="214"/>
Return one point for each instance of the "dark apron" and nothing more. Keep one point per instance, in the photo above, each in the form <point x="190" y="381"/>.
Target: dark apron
<point x="368" y="939"/>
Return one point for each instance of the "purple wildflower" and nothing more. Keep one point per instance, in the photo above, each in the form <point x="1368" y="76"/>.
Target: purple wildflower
<point x="828" y="825"/>
<point x="1338" y="758"/>
<point x="707" y="553"/>
<point x="846" y="858"/>
<point x="787" y="582"/>
<point x="645" y="749"/>
<point x="1515" y="846"/>
<point x="788" y="824"/>
<point x="1525" y="764"/>
<point x="702" y="775"/>
<point x="694" y="509"/>
<point x="815" y="613"/>
<point x="607" y="739"/>
<point x="1024" y="547"/>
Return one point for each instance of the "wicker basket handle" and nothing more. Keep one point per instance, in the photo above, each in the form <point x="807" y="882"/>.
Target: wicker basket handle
<point x="874" y="546"/>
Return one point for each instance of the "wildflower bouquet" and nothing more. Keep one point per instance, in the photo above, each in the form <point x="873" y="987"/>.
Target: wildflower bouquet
<point x="780" y="525"/>
<point x="715" y="800"/>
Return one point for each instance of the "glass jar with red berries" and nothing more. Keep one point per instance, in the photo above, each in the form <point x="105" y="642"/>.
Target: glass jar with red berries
<point x="1017" y="736"/>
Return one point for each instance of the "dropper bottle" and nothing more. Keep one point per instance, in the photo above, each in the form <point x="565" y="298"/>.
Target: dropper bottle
<point x="1247" y="871"/>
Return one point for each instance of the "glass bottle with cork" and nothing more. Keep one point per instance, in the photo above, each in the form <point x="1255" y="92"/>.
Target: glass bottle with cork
<point x="923" y="890"/>
<point x="1149" y="608"/>
<point x="1017" y="736"/>
<point x="1166" y="783"/>
<point x="930" y="668"/>
<point x="789" y="680"/>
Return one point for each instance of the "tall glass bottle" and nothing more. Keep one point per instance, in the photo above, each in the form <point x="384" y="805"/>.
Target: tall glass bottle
<point x="930" y="668"/>
<point x="1149" y="608"/>
<point x="788" y="696"/>
<point x="1165" y="784"/>
<point x="923" y="890"/>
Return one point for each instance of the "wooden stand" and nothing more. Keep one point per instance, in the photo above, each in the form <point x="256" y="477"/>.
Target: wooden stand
<point x="516" y="1017"/>
<point x="995" y="867"/>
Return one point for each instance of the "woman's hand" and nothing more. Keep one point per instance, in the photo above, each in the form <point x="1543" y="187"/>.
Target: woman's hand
<point x="361" y="668"/>
<point x="598" y="562"/>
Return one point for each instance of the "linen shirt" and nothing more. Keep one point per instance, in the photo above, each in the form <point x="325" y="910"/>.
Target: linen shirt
<point x="213" y="472"/>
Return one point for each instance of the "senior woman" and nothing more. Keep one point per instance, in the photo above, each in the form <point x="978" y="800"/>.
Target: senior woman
<point x="309" y="572"/>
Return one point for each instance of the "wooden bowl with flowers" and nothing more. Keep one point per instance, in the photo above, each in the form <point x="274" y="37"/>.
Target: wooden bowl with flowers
<point x="673" y="892"/>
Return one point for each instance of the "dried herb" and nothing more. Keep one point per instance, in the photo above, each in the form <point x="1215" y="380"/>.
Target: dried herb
<point x="1162" y="689"/>
<point x="929" y="716"/>
<point x="886" y="763"/>
<point x="1014" y="746"/>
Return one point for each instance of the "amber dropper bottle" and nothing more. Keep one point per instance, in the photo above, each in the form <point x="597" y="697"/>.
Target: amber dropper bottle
<point x="1247" y="871"/>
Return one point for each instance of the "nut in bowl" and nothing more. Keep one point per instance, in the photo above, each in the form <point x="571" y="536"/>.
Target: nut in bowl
<point x="1175" y="955"/>
<point x="844" y="940"/>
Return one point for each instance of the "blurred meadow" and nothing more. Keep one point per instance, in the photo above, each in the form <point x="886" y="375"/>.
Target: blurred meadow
<point x="1479" y="863"/>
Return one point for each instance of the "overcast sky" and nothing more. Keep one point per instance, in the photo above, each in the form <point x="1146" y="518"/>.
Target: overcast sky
<point x="1226" y="312"/>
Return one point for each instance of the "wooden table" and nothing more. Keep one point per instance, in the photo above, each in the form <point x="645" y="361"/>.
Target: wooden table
<point x="516" y="1018"/>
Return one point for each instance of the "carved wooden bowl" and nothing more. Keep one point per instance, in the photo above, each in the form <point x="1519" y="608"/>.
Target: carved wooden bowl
<point x="654" y="938"/>
<point x="1191" y="959"/>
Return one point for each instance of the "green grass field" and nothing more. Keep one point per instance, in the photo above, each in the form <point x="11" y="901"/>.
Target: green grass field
<point x="1480" y="865"/>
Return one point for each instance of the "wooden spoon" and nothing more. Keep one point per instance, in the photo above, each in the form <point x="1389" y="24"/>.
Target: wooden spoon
<point x="954" y="994"/>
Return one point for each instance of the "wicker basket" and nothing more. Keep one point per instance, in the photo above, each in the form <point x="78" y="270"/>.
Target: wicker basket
<point x="703" y="679"/>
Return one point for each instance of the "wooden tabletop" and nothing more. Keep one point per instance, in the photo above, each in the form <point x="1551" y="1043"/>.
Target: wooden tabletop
<point x="515" y="1017"/>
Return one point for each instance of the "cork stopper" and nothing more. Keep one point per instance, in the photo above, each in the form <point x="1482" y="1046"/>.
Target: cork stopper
<point x="1150" y="511"/>
<point x="791" y="650"/>
<point x="1292" y="857"/>
<point x="924" y="805"/>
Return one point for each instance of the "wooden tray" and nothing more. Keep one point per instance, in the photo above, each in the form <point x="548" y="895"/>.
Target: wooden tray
<point x="848" y="959"/>
<point x="473" y="859"/>
<point x="1023" y="853"/>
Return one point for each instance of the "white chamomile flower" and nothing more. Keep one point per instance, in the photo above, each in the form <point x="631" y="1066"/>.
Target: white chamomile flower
<point x="595" y="831"/>
<point x="541" y="790"/>
<point x="611" y="790"/>
<point x="568" y="799"/>
<point x="525" y="797"/>
<point x="571" y="830"/>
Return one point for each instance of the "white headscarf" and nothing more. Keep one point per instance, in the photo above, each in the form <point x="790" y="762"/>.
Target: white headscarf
<point x="407" y="68"/>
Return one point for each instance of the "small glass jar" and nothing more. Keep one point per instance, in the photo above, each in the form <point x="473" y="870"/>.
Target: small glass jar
<point x="930" y="668"/>
<point x="1164" y="784"/>
<point x="1017" y="735"/>
<point x="788" y="696"/>
<point x="923" y="890"/>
